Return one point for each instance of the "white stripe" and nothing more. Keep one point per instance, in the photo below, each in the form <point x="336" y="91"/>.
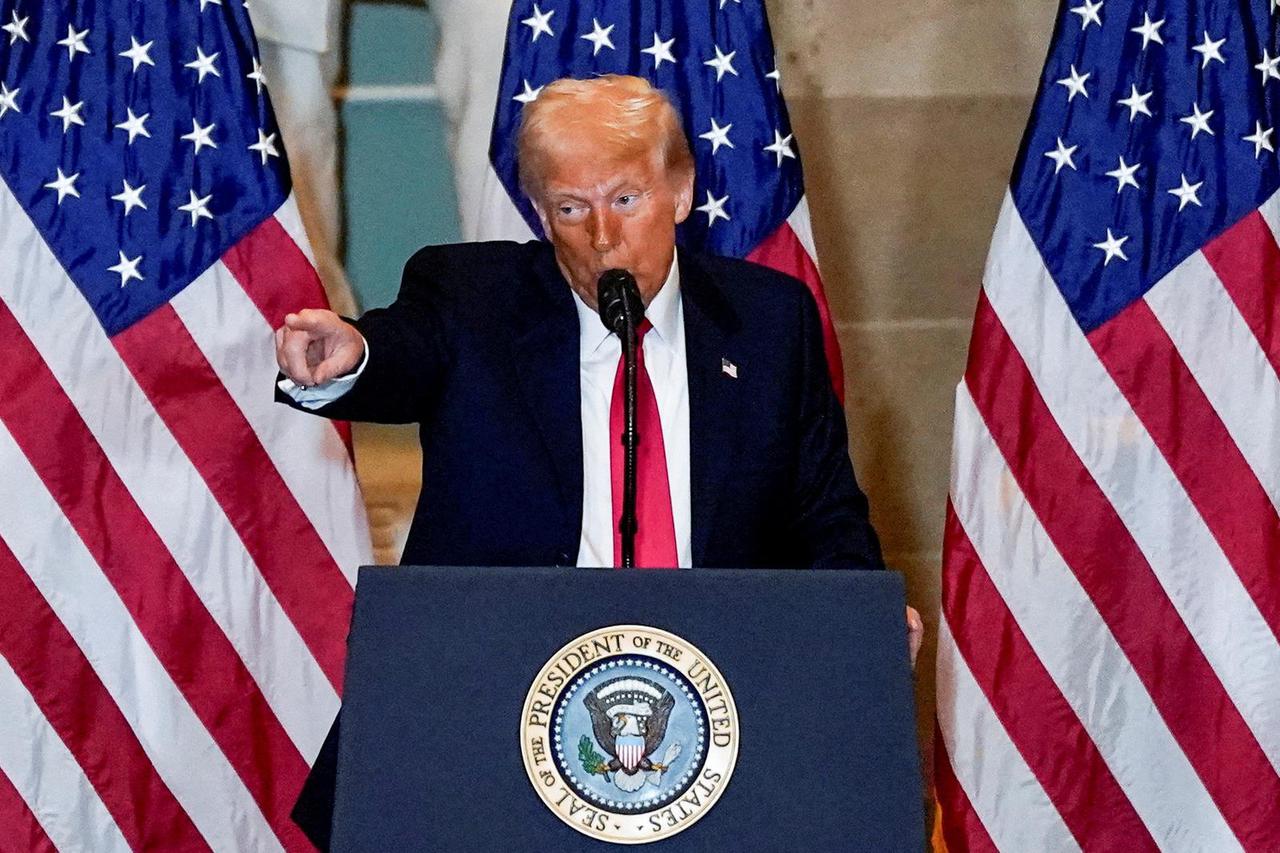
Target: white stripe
<point x="803" y="227"/>
<point x="1136" y="479"/>
<point x="1227" y="362"/>
<point x="290" y="219"/>
<point x="167" y="487"/>
<point x="1005" y="794"/>
<point x="1074" y="644"/>
<point x="179" y="746"/>
<point x="235" y="338"/>
<point x="47" y="776"/>
<point x="1270" y="211"/>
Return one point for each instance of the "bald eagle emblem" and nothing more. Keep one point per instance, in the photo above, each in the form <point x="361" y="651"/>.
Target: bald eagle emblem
<point x="629" y="720"/>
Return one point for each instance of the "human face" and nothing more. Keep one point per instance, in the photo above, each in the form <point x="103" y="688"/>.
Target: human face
<point x="605" y="212"/>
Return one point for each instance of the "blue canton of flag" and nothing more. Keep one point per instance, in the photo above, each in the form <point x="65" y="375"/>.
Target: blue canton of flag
<point x="719" y="70"/>
<point x="139" y="138"/>
<point x="1154" y="130"/>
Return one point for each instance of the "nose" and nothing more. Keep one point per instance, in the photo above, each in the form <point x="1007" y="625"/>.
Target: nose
<point x="604" y="230"/>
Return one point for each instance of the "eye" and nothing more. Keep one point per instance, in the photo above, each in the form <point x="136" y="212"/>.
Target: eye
<point x="569" y="211"/>
<point x="628" y="200"/>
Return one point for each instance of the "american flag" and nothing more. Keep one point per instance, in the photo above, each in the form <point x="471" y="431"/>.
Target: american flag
<point x="716" y="62"/>
<point x="1109" y="662"/>
<point x="176" y="551"/>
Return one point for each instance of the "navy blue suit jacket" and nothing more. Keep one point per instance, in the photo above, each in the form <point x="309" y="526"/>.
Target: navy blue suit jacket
<point x="481" y="349"/>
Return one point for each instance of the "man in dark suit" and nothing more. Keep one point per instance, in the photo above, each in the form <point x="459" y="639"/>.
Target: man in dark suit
<point x="496" y="351"/>
<point x="482" y="349"/>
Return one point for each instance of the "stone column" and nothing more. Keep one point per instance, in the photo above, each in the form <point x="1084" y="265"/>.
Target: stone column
<point x="908" y="117"/>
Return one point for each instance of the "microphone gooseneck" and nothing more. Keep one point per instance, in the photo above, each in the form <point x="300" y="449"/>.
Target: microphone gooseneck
<point x="621" y="311"/>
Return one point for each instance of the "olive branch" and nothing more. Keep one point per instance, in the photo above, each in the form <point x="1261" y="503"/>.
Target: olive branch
<point x="592" y="761"/>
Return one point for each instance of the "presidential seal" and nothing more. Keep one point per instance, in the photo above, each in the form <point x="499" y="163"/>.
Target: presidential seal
<point x="629" y="734"/>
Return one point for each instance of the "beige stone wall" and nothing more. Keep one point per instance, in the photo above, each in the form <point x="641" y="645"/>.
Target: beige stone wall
<point x="389" y="466"/>
<point x="908" y="118"/>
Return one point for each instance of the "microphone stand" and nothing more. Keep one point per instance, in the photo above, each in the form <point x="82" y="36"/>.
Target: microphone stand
<point x="621" y="310"/>
<point x="627" y="525"/>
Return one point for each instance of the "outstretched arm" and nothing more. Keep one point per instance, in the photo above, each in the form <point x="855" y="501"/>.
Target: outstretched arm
<point x="397" y="369"/>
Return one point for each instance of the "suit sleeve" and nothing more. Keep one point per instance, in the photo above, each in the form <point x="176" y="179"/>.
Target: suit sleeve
<point x="408" y="354"/>
<point x="832" y="523"/>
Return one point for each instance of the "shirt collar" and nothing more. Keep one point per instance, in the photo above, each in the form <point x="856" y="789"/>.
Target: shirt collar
<point x="663" y="312"/>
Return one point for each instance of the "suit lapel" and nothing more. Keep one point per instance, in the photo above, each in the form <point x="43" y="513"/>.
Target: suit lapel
<point x="545" y="354"/>
<point x="710" y="324"/>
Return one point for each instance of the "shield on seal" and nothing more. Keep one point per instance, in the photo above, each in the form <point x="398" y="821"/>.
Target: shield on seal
<point x="630" y="751"/>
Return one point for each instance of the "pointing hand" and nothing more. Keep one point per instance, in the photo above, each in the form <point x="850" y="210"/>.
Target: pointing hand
<point x="314" y="346"/>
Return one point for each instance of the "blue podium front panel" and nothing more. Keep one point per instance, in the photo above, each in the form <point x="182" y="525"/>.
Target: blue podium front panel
<point x="439" y="707"/>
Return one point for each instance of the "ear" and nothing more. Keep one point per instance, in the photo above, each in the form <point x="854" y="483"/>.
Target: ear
<point x="684" y="196"/>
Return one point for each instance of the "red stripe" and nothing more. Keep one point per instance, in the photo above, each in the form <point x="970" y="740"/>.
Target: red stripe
<point x="1042" y="725"/>
<point x="78" y="707"/>
<point x="962" y="829"/>
<point x="275" y="272"/>
<point x="181" y="385"/>
<point x="22" y="832"/>
<point x="1247" y="261"/>
<point x="1094" y="542"/>
<point x="279" y="279"/>
<point x="783" y="251"/>
<point x="166" y="609"/>
<point x="1141" y="357"/>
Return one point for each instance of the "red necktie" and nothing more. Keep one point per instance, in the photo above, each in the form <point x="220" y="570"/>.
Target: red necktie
<point x="656" y="533"/>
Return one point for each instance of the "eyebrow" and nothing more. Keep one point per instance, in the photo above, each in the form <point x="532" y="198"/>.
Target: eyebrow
<point x="567" y="194"/>
<point x="572" y="194"/>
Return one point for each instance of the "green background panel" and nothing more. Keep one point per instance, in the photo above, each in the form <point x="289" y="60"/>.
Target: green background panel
<point x="398" y="191"/>
<point x="389" y="44"/>
<point x="397" y="180"/>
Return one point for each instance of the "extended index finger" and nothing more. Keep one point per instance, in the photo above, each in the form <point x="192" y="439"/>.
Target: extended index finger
<point x="315" y="320"/>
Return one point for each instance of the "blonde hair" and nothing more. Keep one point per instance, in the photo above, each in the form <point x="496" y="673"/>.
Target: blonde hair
<point x="640" y="120"/>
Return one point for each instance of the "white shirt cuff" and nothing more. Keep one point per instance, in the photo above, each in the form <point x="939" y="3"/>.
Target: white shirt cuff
<point x="317" y="396"/>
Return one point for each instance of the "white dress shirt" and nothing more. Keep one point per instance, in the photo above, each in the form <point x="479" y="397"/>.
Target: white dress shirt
<point x="664" y="358"/>
<point x="599" y="351"/>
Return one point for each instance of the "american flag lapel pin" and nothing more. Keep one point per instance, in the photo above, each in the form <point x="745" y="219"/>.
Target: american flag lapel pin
<point x="728" y="368"/>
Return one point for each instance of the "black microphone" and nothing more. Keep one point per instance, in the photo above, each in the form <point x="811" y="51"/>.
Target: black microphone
<point x="621" y="310"/>
<point x="618" y="301"/>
